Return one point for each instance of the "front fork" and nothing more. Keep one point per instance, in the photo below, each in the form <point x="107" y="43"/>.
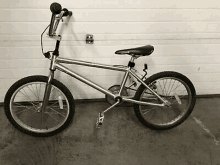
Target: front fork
<point x="51" y="74"/>
<point x="48" y="85"/>
<point x="47" y="91"/>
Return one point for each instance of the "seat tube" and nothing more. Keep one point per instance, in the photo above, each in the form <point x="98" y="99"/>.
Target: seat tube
<point x="123" y="82"/>
<point x="126" y="74"/>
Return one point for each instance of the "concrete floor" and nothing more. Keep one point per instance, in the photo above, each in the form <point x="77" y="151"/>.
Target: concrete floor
<point x="122" y="140"/>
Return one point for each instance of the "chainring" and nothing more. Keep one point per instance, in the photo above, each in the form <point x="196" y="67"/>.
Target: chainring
<point x="115" y="90"/>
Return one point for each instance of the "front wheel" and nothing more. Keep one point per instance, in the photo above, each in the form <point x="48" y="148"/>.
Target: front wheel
<point x="23" y="103"/>
<point x="173" y="87"/>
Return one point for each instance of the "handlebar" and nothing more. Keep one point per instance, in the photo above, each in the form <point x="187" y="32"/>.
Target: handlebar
<point x="55" y="8"/>
<point x="57" y="14"/>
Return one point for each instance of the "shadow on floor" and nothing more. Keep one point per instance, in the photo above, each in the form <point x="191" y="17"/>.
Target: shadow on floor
<point x="122" y="140"/>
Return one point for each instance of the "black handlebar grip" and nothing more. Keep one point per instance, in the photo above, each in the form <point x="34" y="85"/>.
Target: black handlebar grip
<point x="51" y="24"/>
<point x="55" y="8"/>
<point x="70" y="13"/>
<point x="66" y="12"/>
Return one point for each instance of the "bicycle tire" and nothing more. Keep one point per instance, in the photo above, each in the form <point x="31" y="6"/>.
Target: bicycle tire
<point x="11" y="106"/>
<point x="175" y="105"/>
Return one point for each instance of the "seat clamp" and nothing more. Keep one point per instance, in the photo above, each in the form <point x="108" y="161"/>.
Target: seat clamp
<point x="131" y="64"/>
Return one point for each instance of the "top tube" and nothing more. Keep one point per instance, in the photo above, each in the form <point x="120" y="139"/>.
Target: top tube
<point x="90" y="64"/>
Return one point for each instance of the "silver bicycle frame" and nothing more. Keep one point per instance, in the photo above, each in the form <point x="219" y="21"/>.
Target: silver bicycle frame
<point x="56" y="64"/>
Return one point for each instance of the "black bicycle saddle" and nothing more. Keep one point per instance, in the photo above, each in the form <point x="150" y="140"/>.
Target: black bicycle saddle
<point x="142" y="51"/>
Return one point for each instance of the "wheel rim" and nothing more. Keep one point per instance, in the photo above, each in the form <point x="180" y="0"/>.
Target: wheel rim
<point x="175" y="91"/>
<point x="25" y="106"/>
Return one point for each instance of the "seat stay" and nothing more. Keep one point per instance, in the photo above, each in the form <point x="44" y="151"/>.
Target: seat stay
<point x="143" y="83"/>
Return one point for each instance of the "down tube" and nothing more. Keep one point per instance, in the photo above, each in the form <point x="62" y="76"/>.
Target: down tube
<point x="80" y="78"/>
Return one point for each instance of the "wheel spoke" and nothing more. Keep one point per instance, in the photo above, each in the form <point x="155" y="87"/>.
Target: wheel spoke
<point x="56" y="101"/>
<point x="20" y="105"/>
<point x="160" y="87"/>
<point x="38" y="96"/>
<point x="169" y="87"/>
<point x="39" y="91"/>
<point x="51" y="91"/>
<point x="173" y="89"/>
<point x="56" y="106"/>
<point x="25" y="108"/>
<point x="57" y="112"/>
<point x="165" y="88"/>
<point x="53" y="117"/>
<point x="147" y="111"/>
<point x="176" y="87"/>
<point x="28" y="98"/>
<point x="32" y="91"/>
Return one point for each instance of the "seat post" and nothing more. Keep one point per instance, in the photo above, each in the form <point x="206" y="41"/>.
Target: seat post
<point x="131" y="63"/>
<point x="132" y="58"/>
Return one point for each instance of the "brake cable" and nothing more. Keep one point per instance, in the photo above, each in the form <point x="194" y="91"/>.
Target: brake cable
<point x="47" y="54"/>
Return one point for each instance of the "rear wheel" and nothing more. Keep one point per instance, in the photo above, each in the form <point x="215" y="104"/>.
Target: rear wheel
<point x="23" y="103"/>
<point x="173" y="87"/>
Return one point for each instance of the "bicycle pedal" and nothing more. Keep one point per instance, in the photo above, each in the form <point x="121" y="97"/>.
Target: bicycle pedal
<point x="100" y="120"/>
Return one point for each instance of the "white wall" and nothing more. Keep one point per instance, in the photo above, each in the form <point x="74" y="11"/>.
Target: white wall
<point x="185" y="36"/>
